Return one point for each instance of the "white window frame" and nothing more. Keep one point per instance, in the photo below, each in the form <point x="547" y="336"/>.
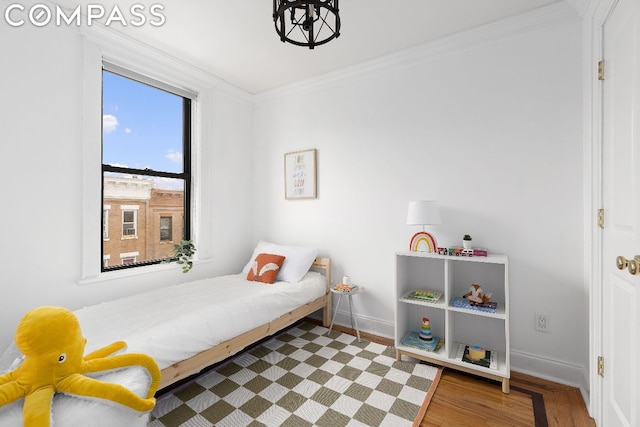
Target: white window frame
<point x="100" y="45"/>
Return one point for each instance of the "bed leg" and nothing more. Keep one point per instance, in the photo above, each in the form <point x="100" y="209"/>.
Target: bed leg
<point x="326" y="314"/>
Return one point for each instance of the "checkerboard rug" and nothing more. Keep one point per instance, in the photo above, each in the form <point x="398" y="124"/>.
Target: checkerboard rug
<point x="304" y="377"/>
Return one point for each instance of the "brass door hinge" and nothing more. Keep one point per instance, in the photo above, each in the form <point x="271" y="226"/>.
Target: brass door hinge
<point x="601" y="218"/>
<point x="601" y="366"/>
<point x="600" y="70"/>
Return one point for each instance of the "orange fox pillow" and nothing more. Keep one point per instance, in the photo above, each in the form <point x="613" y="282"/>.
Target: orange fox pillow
<point x="265" y="268"/>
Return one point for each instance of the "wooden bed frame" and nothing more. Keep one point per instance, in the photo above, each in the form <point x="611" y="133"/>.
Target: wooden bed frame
<point x="185" y="368"/>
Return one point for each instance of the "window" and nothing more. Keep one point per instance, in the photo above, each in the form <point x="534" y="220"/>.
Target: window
<point x="166" y="229"/>
<point x="146" y="167"/>
<point x="128" y="260"/>
<point x="129" y="223"/>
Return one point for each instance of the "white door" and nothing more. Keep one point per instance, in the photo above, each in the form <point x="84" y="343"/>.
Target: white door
<point x="621" y="198"/>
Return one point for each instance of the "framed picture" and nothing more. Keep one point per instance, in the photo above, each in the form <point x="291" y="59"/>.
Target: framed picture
<point x="300" y="174"/>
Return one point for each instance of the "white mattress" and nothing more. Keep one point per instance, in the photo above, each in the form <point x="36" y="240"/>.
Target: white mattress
<point x="174" y="323"/>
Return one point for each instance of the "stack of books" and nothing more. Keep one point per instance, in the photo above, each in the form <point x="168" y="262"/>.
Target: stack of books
<point x="412" y="339"/>
<point x="462" y="302"/>
<point x="424" y="295"/>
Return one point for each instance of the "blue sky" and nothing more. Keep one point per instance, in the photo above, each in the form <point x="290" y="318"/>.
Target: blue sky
<point x="142" y="126"/>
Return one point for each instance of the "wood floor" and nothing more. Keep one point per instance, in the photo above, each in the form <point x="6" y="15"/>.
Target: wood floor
<point x="466" y="400"/>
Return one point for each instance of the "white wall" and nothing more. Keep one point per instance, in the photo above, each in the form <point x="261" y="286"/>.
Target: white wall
<point x="41" y="172"/>
<point x="488" y="124"/>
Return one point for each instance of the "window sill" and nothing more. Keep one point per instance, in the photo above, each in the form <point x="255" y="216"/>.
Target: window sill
<point x="137" y="271"/>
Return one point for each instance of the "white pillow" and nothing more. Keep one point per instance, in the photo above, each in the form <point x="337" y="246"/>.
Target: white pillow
<point x="297" y="260"/>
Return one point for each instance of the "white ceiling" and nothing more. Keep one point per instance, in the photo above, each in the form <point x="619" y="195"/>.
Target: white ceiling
<point x="235" y="40"/>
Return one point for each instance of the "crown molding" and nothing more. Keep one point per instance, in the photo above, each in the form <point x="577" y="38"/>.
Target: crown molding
<point x="128" y="52"/>
<point x="580" y="6"/>
<point x="523" y="23"/>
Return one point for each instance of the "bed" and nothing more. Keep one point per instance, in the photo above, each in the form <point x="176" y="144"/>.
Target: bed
<point x="178" y="328"/>
<point x="193" y="325"/>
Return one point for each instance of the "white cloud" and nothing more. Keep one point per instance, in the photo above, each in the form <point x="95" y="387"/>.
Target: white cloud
<point x="174" y="156"/>
<point x="127" y="130"/>
<point x="168" y="183"/>
<point x="109" y="123"/>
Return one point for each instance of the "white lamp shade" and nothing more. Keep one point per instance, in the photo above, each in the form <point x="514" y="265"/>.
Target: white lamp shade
<point x="423" y="212"/>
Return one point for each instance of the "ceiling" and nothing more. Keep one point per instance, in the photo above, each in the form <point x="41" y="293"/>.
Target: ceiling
<point x="235" y="40"/>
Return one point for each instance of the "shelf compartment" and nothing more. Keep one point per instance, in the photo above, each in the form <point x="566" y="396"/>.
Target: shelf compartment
<point x="419" y="273"/>
<point x="470" y="328"/>
<point x="411" y="320"/>
<point x="501" y="360"/>
<point x="491" y="276"/>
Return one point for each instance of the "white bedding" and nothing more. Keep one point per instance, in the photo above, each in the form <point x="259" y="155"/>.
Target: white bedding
<point x="174" y="323"/>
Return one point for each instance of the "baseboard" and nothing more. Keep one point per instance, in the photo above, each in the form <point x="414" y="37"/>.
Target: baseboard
<point x="370" y="325"/>
<point x="552" y="370"/>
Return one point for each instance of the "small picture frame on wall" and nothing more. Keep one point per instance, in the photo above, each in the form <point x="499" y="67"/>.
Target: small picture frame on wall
<point x="300" y="174"/>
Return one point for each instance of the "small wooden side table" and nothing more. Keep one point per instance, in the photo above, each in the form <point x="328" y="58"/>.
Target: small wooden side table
<point x="350" y="294"/>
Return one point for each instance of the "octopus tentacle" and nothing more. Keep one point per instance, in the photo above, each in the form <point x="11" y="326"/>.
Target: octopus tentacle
<point x="80" y="385"/>
<point x="10" y="392"/>
<point x="37" y="407"/>
<point x="124" y="361"/>
<point x="106" y="351"/>
<point x="7" y="377"/>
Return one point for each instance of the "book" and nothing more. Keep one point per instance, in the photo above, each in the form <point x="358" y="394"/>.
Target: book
<point x="412" y="339"/>
<point x="424" y="295"/>
<point x="488" y="361"/>
<point x="462" y="302"/>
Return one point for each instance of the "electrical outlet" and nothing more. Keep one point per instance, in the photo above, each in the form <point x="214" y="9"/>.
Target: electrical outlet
<point x="542" y="322"/>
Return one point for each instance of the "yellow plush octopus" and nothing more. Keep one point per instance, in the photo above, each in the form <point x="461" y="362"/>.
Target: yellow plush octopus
<point x="53" y="347"/>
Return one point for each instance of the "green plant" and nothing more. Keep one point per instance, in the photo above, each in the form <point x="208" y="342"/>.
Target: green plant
<point x="467" y="237"/>
<point x="183" y="252"/>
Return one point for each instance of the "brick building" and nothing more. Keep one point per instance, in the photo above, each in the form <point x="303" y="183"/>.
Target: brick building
<point x="140" y="222"/>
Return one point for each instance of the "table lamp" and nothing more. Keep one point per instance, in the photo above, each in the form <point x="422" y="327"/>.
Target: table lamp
<point x="423" y="212"/>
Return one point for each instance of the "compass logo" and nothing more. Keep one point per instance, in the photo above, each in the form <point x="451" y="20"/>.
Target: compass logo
<point x="40" y="15"/>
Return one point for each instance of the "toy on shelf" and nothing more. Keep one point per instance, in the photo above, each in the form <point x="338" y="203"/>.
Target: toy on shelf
<point x="458" y="251"/>
<point x="476" y="296"/>
<point x="480" y="252"/>
<point x="425" y="330"/>
<point x="424" y="295"/>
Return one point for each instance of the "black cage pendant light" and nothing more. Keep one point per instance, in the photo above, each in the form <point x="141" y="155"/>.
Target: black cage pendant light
<point x="306" y="22"/>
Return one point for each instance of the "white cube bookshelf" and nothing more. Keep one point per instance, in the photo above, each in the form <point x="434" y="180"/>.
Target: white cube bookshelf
<point x="453" y="276"/>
